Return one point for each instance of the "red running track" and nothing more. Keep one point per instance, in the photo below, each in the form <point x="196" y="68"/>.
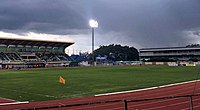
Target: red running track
<point x="167" y="104"/>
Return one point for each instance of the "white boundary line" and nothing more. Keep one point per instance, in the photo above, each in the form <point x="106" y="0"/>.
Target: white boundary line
<point x="14" y="103"/>
<point x="146" y="88"/>
<point x="7" y="99"/>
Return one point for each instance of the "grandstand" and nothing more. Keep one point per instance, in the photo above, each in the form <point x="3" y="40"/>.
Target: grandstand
<point x="170" y="54"/>
<point x="30" y="53"/>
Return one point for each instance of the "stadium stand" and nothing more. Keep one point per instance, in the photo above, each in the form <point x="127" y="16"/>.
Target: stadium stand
<point x="170" y="54"/>
<point x="26" y="53"/>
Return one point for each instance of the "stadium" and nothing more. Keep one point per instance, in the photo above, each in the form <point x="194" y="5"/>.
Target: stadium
<point x="130" y="87"/>
<point x="99" y="55"/>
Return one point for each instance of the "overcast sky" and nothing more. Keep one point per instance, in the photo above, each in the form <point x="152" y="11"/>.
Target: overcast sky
<point x="138" y="23"/>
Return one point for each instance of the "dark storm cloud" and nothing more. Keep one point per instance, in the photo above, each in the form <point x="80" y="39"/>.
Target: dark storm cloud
<point x="39" y="15"/>
<point x="155" y="22"/>
<point x="149" y="23"/>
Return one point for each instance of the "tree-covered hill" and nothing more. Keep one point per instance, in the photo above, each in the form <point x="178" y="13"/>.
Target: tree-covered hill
<point x="117" y="53"/>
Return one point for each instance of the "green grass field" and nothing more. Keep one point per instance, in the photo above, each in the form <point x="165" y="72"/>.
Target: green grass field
<point x="42" y="84"/>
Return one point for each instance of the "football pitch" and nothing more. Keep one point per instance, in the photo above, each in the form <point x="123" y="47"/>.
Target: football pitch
<point x="42" y="84"/>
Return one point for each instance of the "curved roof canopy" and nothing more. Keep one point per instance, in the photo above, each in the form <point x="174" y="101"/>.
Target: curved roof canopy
<point x="33" y="42"/>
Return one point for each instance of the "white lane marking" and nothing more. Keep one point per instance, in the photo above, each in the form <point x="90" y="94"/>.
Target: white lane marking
<point x="7" y="99"/>
<point x="146" y="88"/>
<point x="14" y="103"/>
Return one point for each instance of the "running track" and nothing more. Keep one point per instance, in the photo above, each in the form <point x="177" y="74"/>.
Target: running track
<point x="167" y="104"/>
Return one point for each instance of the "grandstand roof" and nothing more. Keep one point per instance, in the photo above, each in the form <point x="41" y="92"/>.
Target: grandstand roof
<point x="33" y="42"/>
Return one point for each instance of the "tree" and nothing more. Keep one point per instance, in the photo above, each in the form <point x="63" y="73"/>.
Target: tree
<point x="117" y="53"/>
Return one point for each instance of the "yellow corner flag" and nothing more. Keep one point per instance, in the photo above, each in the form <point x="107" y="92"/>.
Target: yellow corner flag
<point x="61" y="80"/>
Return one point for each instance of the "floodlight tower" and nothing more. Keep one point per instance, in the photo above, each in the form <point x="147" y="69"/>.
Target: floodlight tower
<point x="93" y="24"/>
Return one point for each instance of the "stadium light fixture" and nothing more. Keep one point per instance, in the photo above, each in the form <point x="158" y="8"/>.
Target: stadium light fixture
<point x="93" y="24"/>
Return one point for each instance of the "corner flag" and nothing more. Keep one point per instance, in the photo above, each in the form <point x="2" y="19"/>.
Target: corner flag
<point x="61" y="80"/>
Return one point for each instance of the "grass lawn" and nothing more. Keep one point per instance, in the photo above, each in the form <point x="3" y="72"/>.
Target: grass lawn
<point x="42" y="84"/>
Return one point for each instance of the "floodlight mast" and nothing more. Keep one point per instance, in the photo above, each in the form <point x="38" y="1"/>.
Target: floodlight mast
<point x="93" y="24"/>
